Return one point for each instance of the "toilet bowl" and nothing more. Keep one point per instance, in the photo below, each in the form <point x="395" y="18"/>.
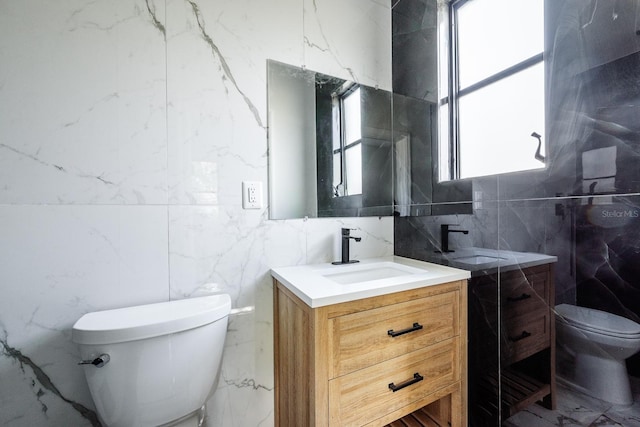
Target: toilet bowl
<point x="599" y="342"/>
<point x="156" y="364"/>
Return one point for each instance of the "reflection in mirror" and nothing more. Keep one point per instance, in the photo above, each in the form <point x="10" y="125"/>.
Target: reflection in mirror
<point x="419" y="190"/>
<point x="329" y="146"/>
<point x="582" y="208"/>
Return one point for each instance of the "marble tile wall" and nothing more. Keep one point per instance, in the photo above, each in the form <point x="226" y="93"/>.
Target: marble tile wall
<point x="126" y="128"/>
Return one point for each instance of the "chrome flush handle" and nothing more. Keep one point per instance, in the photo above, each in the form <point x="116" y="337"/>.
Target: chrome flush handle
<point x="98" y="362"/>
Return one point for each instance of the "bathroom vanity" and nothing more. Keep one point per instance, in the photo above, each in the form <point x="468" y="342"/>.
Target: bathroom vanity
<point x="527" y="339"/>
<point x="511" y="330"/>
<point x="370" y="343"/>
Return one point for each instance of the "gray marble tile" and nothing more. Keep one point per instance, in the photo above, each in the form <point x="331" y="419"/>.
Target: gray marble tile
<point x="628" y="417"/>
<point x="573" y="409"/>
<point x="605" y="421"/>
<point x="577" y="409"/>
<point x="529" y="418"/>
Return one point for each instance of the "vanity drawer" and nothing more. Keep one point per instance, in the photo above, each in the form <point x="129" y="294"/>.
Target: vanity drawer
<point x="522" y="295"/>
<point x="366" y="395"/>
<point x="369" y="337"/>
<point x="525" y="336"/>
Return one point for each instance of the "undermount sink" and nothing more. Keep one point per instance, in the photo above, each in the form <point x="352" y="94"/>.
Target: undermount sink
<point x="478" y="259"/>
<point x="482" y="260"/>
<point x="357" y="273"/>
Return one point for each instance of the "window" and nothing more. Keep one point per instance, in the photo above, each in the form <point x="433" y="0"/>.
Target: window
<point x="347" y="142"/>
<point x="493" y="117"/>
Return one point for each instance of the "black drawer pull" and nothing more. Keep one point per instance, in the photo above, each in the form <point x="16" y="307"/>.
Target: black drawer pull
<point x="522" y="336"/>
<point x="416" y="327"/>
<point x="416" y="378"/>
<point x="520" y="298"/>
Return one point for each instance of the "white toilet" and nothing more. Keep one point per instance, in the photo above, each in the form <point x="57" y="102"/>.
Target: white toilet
<point x="600" y="342"/>
<point x="156" y="364"/>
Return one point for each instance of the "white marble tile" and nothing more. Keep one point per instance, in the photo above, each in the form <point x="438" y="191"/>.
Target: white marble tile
<point x="215" y="249"/>
<point x="25" y="402"/>
<point x="65" y="260"/>
<point x="82" y="117"/>
<point x="59" y="262"/>
<point x="349" y="39"/>
<point x="216" y="55"/>
<point x="324" y="242"/>
<point x="232" y="250"/>
<point x="240" y="400"/>
<point x="126" y="129"/>
<point x="200" y="115"/>
<point x="244" y="395"/>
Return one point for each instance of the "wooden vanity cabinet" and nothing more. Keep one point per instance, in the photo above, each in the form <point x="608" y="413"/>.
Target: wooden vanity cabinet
<point x="524" y="310"/>
<point x="372" y="361"/>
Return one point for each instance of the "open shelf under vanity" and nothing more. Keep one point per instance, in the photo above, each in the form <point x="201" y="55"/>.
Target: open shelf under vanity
<point x="518" y="390"/>
<point x="423" y="417"/>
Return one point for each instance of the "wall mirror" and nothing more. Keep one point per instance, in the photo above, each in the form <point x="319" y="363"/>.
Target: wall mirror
<point x="330" y="146"/>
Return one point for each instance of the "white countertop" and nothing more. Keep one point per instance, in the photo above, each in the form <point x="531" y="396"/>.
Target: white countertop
<point x="313" y="285"/>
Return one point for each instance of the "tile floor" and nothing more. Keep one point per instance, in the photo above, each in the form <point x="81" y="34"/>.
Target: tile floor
<point x="577" y="409"/>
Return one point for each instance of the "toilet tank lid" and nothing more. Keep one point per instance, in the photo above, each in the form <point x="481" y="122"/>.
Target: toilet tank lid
<point x="151" y="320"/>
<point x="597" y="320"/>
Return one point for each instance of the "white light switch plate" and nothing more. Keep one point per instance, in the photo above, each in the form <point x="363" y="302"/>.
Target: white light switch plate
<point x="251" y="194"/>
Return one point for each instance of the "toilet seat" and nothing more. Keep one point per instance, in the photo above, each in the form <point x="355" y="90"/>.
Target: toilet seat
<point x="597" y="321"/>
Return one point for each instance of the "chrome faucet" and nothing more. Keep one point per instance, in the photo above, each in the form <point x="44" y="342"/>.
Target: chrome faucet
<point x="444" y="237"/>
<point x="346" y="236"/>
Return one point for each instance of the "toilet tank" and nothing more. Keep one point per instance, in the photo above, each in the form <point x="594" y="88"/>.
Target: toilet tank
<point x="163" y="358"/>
